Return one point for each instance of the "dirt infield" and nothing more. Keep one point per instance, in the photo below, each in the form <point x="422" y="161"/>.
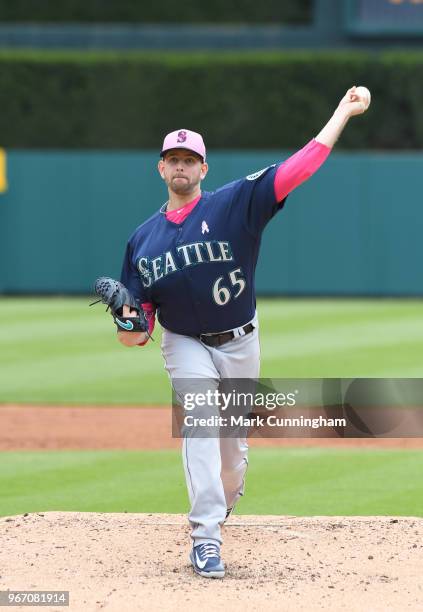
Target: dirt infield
<point x="128" y="562"/>
<point x="41" y="427"/>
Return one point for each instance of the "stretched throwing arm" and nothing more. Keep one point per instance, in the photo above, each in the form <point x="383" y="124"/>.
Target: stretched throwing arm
<point x="304" y="163"/>
<point x="350" y="105"/>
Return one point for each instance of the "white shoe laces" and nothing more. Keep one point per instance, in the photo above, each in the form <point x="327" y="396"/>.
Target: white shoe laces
<point x="208" y="551"/>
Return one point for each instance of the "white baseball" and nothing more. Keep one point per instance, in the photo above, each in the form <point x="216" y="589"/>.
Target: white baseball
<point x="364" y="94"/>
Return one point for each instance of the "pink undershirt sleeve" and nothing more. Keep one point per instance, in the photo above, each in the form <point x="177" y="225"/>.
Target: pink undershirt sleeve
<point x="299" y="167"/>
<point x="150" y="313"/>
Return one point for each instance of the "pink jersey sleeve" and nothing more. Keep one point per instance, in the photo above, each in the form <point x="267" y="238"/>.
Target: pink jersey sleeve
<point x="299" y="167"/>
<point x="150" y="313"/>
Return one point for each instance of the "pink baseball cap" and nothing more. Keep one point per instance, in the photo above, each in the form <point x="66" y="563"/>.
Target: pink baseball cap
<point x="184" y="139"/>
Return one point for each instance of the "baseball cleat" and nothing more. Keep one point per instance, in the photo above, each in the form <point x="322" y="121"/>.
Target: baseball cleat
<point x="205" y="559"/>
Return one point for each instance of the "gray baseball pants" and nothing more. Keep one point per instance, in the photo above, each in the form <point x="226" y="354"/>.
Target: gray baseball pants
<point x="214" y="467"/>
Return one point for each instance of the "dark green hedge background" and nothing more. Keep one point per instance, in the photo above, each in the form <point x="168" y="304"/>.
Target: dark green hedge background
<point x="189" y="11"/>
<point x="241" y="100"/>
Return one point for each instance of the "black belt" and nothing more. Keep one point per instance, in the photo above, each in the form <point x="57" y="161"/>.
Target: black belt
<point x="219" y="339"/>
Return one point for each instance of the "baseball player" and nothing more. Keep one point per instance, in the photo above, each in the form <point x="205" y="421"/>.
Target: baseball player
<point x="192" y="265"/>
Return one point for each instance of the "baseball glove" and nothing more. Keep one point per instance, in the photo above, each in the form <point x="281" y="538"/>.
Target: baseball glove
<point x="115" y="296"/>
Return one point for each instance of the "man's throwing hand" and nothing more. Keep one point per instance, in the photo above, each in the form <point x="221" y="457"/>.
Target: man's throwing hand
<point x="353" y="103"/>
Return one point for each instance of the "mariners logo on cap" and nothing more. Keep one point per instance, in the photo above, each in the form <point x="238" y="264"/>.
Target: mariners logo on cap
<point x="182" y="136"/>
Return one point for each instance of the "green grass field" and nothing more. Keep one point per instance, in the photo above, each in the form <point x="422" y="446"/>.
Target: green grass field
<point x="303" y="482"/>
<point x="60" y="351"/>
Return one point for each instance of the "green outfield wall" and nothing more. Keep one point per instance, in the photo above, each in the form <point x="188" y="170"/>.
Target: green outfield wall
<point x="128" y="11"/>
<point x="353" y="228"/>
<point x="245" y="100"/>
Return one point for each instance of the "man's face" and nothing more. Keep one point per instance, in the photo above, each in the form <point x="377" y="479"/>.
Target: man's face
<point x="182" y="170"/>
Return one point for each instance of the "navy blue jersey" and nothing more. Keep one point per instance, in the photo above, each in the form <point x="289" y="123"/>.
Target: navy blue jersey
<point x="200" y="273"/>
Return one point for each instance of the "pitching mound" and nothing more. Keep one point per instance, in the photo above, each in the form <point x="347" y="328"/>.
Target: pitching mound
<point x="129" y="562"/>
